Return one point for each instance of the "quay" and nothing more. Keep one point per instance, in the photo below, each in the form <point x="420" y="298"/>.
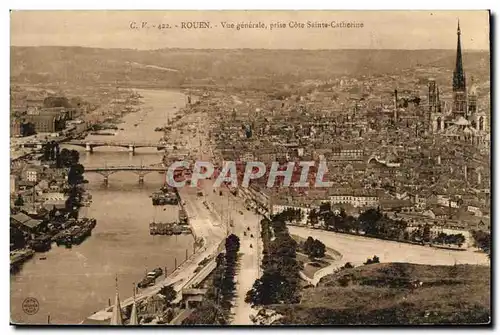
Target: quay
<point x="188" y="274"/>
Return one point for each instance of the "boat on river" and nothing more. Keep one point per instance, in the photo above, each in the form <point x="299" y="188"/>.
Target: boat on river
<point x="18" y="257"/>
<point x="76" y="233"/>
<point x="102" y="134"/>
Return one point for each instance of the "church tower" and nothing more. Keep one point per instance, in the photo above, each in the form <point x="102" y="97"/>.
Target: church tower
<point x="472" y="99"/>
<point x="436" y="118"/>
<point x="116" y="317"/>
<point x="134" y="320"/>
<point x="459" y="85"/>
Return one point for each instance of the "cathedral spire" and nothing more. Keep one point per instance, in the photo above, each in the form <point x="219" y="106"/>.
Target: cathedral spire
<point x="133" y="315"/>
<point x="438" y="102"/>
<point x="116" y="317"/>
<point x="458" y="74"/>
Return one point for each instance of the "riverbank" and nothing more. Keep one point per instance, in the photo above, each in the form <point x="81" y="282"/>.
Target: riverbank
<point x="208" y="233"/>
<point x="120" y="244"/>
<point x="182" y="275"/>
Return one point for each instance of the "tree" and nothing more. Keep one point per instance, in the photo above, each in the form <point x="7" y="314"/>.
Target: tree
<point x="369" y="220"/>
<point x="52" y="212"/>
<point x="27" y="129"/>
<point x="19" y="202"/>
<point x="317" y="249"/>
<point x="482" y="240"/>
<point x="325" y="213"/>
<point x="344" y="281"/>
<point x="314" y="248"/>
<point x="308" y="244"/>
<point x="75" y="174"/>
<point x="51" y="102"/>
<point x="325" y="207"/>
<point x="53" y="148"/>
<point x="169" y="293"/>
<point x="47" y="148"/>
<point x="348" y="265"/>
<point x="208" y="313"/>
<point x="232" y="244"/>
<point x="426" y="235"/>
<point x="441" y="238"/>
<point x="69" y="157"/>
<point x="313" y="217"/>
<point x="374" y="260"/>
<point x="280" y="281"/>
<point x="406" y="235"/>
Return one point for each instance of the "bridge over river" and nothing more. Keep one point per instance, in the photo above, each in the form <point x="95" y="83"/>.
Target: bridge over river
<point x="140" y="170"/>
<point x="90" y="145"/>
<point x="131" y="146"/>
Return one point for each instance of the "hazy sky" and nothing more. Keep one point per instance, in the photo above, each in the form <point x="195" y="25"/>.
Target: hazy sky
<point x="381" y="30"/>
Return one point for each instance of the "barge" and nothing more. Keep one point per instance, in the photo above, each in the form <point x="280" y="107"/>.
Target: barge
<point x="168" y="228"/>
<point x="76" y="233"/>
<point x="18" y="257"/>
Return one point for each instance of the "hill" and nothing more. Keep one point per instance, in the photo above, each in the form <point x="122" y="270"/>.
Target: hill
<point x="238" y="68"/>
<point x="386" y="294"/>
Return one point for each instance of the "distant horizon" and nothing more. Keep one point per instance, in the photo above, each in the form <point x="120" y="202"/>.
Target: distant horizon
<point x="267" y="49"/>
<point x="273" y="30"/>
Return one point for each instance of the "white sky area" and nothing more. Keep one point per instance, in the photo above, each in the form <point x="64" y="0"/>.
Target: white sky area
<point x="382" y="29"/>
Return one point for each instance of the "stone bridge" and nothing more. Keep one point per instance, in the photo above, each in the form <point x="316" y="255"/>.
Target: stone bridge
<point x="141" y="171"/>
<point x="131" y="146"/>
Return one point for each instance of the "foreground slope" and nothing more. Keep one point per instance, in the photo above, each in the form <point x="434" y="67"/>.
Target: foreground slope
<point x="396" y="293"/>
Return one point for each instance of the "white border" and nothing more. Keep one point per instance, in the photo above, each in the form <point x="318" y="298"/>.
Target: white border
<point x="148" y="4"/>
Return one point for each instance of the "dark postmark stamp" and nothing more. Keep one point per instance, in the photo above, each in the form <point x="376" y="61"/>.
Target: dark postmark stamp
<point x="30" y="306"/>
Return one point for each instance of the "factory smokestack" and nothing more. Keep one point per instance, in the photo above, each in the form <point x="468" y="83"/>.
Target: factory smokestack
<point x="395" y="98"/>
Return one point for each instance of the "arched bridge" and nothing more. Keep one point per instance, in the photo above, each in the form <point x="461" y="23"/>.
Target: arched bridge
<point x="113" y="169"/>
<point x="90" y="145"/>
<point x="141" y="171"/>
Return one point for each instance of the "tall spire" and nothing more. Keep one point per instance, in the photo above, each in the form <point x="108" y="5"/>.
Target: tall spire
<point x="458" y="74"/>
<point x="438" y="102"/>
<point x="116" y="317"/>
<point x="133" y="315"/>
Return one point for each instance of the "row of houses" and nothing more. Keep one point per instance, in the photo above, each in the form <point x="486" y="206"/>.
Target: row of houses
<point x="414" y="221"/>
<point x="44" y="120"/>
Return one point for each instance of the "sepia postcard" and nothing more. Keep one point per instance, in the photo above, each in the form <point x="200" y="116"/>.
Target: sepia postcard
<point x="255" y="168"/>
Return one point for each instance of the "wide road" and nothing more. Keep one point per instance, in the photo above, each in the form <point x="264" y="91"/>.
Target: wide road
<point x="246" y="227"/>
<point x="235" y="218"/>
<point x="356" y="249"/>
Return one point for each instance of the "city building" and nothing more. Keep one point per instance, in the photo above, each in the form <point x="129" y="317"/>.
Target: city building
<point x="49" y="123"/>
<point x="354" y="197"/>
<point x="15" y="127"/>
<point x="14" y="183"/>
<point x="24" y="222"/>
<point x="348" y="151"/>
<point x="304" y="210"/>
<point x="32" y="173"/>
<point x="462" y="120"/>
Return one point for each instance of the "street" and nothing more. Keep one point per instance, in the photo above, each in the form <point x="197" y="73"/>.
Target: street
<point x="235" y="218"/>
<point x="356" y="249"/>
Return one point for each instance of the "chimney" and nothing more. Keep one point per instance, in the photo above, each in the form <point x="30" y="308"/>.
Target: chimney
<point x="465" y="172"/>
<point x="479" y="177"/>
<point x="395" y="98"/>
<point x="439" y="160"/>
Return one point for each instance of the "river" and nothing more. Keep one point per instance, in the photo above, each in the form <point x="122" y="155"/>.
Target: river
<point x="71" y="284"/>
